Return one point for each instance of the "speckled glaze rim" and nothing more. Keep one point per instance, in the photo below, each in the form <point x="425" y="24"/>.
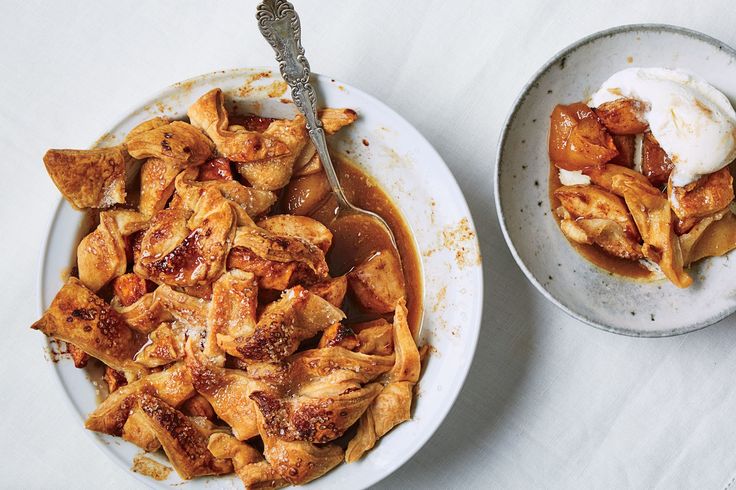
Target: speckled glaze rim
<point x="553" y="61"/>
<point x="463" y="366"/>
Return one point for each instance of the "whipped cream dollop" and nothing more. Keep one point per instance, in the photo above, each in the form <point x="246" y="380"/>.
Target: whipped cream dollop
<point x="693" y="121"/>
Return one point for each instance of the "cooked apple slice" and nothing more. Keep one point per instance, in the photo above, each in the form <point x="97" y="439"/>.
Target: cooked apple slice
<point x="378" y="283"/>
<point x="655" y="164"/>
<point x="577" y="139"/>
<point x="303" y="227"/>
<point x="623" y="116"/>
<point x="332" y="290"/>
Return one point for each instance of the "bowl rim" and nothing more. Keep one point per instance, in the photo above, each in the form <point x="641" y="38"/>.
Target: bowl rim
<point x="523" y="93"/>
<point x="450" y="181"/>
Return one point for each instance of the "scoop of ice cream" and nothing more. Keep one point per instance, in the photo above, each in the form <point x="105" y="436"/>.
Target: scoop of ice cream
<point x="693" y="121"/>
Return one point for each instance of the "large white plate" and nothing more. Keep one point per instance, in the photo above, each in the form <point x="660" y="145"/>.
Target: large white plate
<point x="568" y="280"/>
<point x="414" y="175"/>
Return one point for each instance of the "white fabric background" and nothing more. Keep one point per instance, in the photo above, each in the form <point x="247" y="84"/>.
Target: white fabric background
<point x="549" y="402"/>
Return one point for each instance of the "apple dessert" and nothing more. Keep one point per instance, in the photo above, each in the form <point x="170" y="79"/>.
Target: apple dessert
<point x="241" y="327"/>
<point x="640" y="178"/>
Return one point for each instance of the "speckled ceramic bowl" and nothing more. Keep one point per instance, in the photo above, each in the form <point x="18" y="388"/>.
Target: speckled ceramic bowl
<point x="581" y="289"/>
<point x="421" y="185"/>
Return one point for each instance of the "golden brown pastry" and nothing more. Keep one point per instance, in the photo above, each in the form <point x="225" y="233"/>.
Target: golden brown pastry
<point x="232" y="311"/>
<point x="172" y="385"/>
<point x="250" y="466"/>
<point x="393" y="405"/>
<point x="145" y="314"/>
<point x="703" y="197"/>
<point x="89" y="178"/>
<point x="299" y="462"/>
<point x="297" y="316"/>
<point x="101" y="255"/>
<point x="79" y="316"/>
<point x="208" y="114"/>
<point x="247" y="201"/>
<point x="227" y="390"/>
<point x="182" y="440"/>
<point x="165" y="345"/>
<point x="653" y="216"/>
<point x="303" y="227"/>
<point x="180" y="250"/>
<point x="270" y="274"/>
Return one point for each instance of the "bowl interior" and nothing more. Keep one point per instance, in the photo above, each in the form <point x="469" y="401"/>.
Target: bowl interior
<point x="413" y="174"/>
<point x="586" y="292"/>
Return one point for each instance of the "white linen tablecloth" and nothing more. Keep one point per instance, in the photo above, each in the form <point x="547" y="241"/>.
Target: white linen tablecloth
<point x="549" y="402"/>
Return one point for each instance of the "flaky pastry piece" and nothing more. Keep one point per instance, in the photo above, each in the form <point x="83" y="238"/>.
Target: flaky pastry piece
<point x="707" y="195"/>
<point x="281" y="248"/>
<point x="276" y="172"/>
<point x="89" y="178"/>
<point x="711" y="236"/>
<point x="188" y="248"/>
<point x="374" y="337"/>
<point x="298" y="315"/>
<point x="208" y="114"/>
<point x="101" y="255"/>
<point x="250" y="466"/>
<point x="232" y="311"/>
<point x="168" y="148"/>
<point x="592" y="215"/>
<point x="172" y="385"/>
<point x="227" y="390"/>
<point x="653" y="216"/>
<point x="303" y="227"/>
<point x="316" y="395"/>
<point x="78" y="316"/>
<point x="269" y="273"/>
<point x="183" y="439"/>
<point x="247" y="201"/>
<point x="165" y="345"/>
<point x="145" y="314"/>
<point x="299" y="462"/>
<point x="393" y="404"/>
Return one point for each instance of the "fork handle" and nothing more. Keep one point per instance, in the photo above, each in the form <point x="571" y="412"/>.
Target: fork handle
<point x="279" y="24"/>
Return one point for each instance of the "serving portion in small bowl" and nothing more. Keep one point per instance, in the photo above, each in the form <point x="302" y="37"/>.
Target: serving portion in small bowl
<point x="613" y="185"/>
<point x="217" y="309"/>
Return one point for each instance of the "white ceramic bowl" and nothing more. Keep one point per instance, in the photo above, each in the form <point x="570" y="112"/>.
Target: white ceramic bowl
<point x="521" y="186"/>
<point x="414" y="175"/>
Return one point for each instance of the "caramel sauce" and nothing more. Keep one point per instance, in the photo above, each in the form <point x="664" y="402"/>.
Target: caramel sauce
<point x="594" y="254"/>
<point x="356" y="240"/>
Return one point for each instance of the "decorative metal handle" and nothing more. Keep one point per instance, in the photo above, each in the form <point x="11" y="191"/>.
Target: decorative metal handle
<point x="279" y="24"/>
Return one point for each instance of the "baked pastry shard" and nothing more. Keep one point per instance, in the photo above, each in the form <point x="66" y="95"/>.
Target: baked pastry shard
<point x="168" y="149"/>
<point x="79" y="316"/>
<point x="297" y="316"/>
<point x="182" y="439"/>
<point x="172" y="385"/>
<point x="208" y="114"/>
<point x="165" y="345"/>
<point x="89" y="178"/>
<point x="227" y="390"/>
<point x="101" y="255"/>
<point x="281" y="248"/>
<point x="393" y="405"/>
<point x="654" y="219"/>
<point x="299" y="462"/>
<point x="145" y="314"/>
<point x="304" y="227"/>
<point x="180" y="250"/>
<point x="250" y="466"/>
<point x="247" y="201"/>
<point x="319" y="393"/>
